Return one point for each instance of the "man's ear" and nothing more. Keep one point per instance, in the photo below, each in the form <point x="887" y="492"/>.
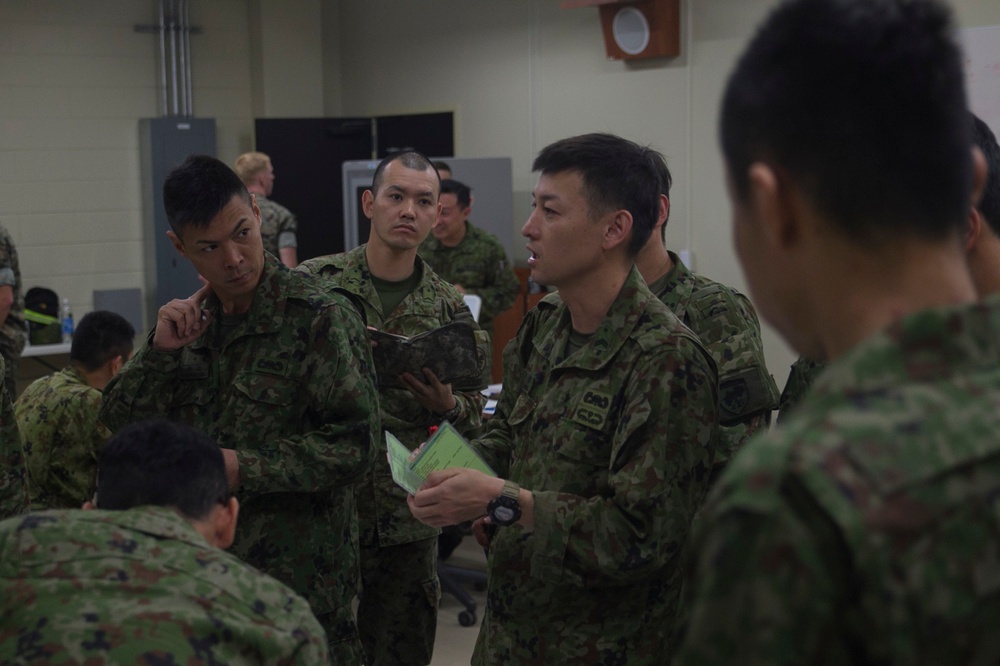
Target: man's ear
<point x="224" y="518"/>
<point x="775" y="207"/>
<point x="978" y="175"/>
<point x="256" y="209"/>
<point x="664" y="214"/>
<point x="973" y="230"/>
<point x="618" y="230"/>
<point x="178" y="243"/>
<point x="368" y="200"/>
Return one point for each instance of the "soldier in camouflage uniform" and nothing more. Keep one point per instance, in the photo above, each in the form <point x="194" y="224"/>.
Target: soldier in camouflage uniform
<point x="724" y="321"/>
<point x="471" y="259"/>
<point x="277" y="368"/>
<point x="277" y="223"/>
<point x="863" y="530"/>
<point x="399" y="293"/>
<point x="13" y="330"/>
<point x="603" y="437"/>
<point x="57" y="415"/>
<point x="144" y="579"/>
<point x="13" y="476"/>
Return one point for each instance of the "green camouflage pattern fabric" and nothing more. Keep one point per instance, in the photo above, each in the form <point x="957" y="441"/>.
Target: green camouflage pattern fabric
<point x="275" y="220"/>
<point x="13" y="475"/>
<point x="14" y="331"/>
<point x="615" y="442"/>
<point x="397" y="617"/>
<point x="385" y="518"/>
<point x="864" y="529"/>
<point x="479" y="263"/>
<point x="382" y="509"/>
<point x="293" y="392"/>
<point x="57" y="417"/>
<point x="726" y="323"/>
<point x="800" y="377"/>
<point x="141" y="587"/>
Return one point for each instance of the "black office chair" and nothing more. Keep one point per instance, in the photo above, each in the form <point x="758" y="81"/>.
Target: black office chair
<point x="454" y="578"/>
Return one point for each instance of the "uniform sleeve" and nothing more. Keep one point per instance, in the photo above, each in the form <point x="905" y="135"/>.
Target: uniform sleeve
<point x="67" y="475"/>
<point x="656" y="481"/>
<point x="501" y="285"/>
<point x="747" y="392"/>
<point x="141" y="390"/>
<point x="13" y="478"/>
<point x="344" y="399"/>
<point x="763" y="586"/>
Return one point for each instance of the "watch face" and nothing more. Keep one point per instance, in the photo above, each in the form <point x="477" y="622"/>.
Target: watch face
<point x="504" y="511"/>
<point x="503" y="515"/>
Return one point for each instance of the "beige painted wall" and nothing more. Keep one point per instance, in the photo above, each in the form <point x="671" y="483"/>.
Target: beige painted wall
<point x="518" y="74"/>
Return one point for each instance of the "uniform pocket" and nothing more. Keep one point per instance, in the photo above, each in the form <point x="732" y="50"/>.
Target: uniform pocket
<point x="267" y="389"/>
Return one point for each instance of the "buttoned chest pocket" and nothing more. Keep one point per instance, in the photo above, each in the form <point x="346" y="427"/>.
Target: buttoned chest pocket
<point x="267" y="390"/>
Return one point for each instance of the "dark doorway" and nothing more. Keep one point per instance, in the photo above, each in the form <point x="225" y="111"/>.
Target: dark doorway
<point x="307" y="154"/>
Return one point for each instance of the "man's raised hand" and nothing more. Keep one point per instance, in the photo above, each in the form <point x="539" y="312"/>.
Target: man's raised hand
<point x="182" y="320"/>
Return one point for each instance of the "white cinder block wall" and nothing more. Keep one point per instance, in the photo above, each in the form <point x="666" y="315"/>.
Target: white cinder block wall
<point x="75" y="79"/>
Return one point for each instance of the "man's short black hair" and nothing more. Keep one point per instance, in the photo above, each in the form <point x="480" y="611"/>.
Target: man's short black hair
<point x="617" y="175"/>
<point x="441" y="165"/>
<point x="411" y="159"/>
<point x="462" y="192"/>
<point x="989" y="205"/>
<point x="195" y="192"/>
<point x="861" y="104"/>
<point x="160" y="463"/>
<point x="99" y="337"/>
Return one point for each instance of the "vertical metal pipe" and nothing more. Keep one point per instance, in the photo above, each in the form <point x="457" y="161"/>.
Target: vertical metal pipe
<point x="163" y="61"/>
<point x="182" y="67"/>
<point x="173" y="57"/>
<point x="187" y="51"/>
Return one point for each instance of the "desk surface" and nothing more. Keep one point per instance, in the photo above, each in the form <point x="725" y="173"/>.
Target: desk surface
<point x="46" y="350"/>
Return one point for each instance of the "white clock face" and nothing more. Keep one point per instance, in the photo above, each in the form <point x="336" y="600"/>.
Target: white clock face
<point x="631" y="30"/>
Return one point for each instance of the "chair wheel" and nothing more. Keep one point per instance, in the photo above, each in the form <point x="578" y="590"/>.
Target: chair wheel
<point x="467" y="618"/>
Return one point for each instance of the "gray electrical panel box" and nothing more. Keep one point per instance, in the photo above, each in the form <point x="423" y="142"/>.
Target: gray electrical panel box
<point x="163" y="144"/>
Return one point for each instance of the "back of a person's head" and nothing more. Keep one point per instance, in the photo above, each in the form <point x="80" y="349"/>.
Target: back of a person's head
<point x="196" y="191"/>
<point x="440" y="166"/>
<point x="462" y="192"/>
<point x="250" y="165"/>
<point x="989" y="204"/>
<point x="99" y="337"/>
<point x="410" y="159"/>
<point x="861" y="104"/>
<point x="159" y="463"/>
<point x="617" y="175"/>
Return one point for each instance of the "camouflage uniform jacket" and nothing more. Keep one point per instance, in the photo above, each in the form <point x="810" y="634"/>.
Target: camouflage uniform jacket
<point x="726" y="323"/>
<point x="293" y="392"/>
<point x="13" y="476"/>
<point x="864" y="529"/>
<point x="480" y="265"/>
<point x="141" y="587"/>
<point x="615" y="441"/>
<point x="14" y="332"/>
<point x="382" y="507"/>
<point x="801" y="376"/>
<point x="57" y="417"/>
<point x="275" y="220"/>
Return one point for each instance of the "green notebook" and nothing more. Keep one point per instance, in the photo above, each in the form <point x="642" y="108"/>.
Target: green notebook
<point x="445" y="449"/>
